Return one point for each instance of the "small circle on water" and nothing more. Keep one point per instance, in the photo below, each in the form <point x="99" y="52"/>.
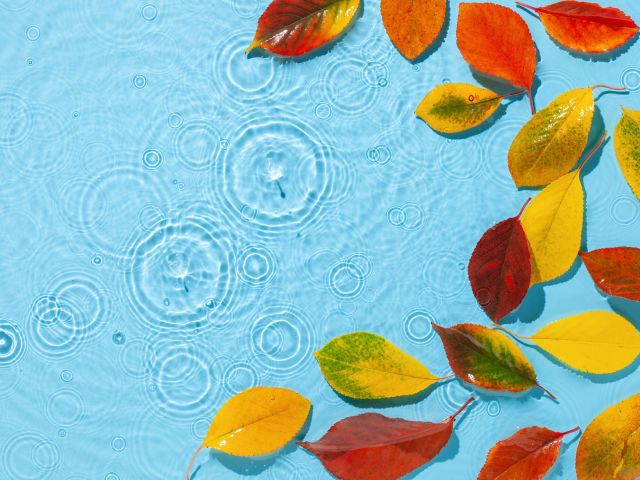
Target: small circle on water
<point x="139" y="81"/>
<point x="29" y="61"/>
<point x="199" y="427"/>
<point x="62" y="433"/>
<point x="118" y="444"/>
<point x="396" y="216"/>
<point x="624" y="210"/>
<point x="417" y="326"/>
<point x="323" y="110"/>
<point x="631" y="79"/>
<point x="33" y="33"/>
<point x="97" y="259"/>
<point x="175" y="120"/>
<point x="112" y="476"/>
<point x="66" y="375"/>
<point x="151" y="158"/>
<point x="493" y="408"/>
<point x="149" y="12"/>
<point x="118" y="338"/>
<point x="76" y="114"/>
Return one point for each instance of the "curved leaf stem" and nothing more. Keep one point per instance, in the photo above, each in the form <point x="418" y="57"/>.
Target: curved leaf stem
<point x="523" y="207"/>
<point x="524" y="5"/>
<point x="562" y="434"/>
<point x="514" y="94"/>
<point x="506" y="330"/>
<point x="553" y="397"/>
<point x="448" y="377"/>
<point x="465" y="405"/>
<point x="594" y="150"/>
<point x="609" y="87"/>
<point x="193" y="459"/>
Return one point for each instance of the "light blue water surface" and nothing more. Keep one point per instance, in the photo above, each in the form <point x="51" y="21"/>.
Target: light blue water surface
<point x="179" y="223"/>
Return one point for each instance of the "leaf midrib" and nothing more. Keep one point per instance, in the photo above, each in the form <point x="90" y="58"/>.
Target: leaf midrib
<point x="319" y="355"/>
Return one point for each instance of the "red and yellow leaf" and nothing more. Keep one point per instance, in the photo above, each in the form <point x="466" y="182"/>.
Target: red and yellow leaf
<point x="413" y="26"/>
<point x="371" y="446"/>
<point x="294" y="27"/>
<point x="586" y="26"/>
<point x="615" y="271"/>
<point x="527" y="454"/>
<point x="496" y="41"/>
<point x="500" y="268"/>
<point x="487" y="359"/>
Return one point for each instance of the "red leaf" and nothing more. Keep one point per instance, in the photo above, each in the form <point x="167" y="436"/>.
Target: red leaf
<point x="615" y="271"/>
<point x="526" y="455"/>
<point x="295" y="27"/>
<point x="500" y="268"/>
<point x="586" y="26"/>
<point x="496" y="41"/>
<point x="374" y="447"/>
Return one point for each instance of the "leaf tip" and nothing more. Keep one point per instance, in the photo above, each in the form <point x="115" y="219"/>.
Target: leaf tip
<point x="253" y="45"/>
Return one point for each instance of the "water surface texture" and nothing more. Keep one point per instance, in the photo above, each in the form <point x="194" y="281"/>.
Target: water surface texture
<point x="179" y="223"/>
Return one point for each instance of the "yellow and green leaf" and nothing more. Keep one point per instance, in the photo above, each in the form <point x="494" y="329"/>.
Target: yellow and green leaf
<point x="608" y="448"/>
<point x="626" y="141"/>
<point x="594" y="342"/>
<point x="553" y="140"/>
<point x="367" y="366"/>
<point x="456" y="107"/>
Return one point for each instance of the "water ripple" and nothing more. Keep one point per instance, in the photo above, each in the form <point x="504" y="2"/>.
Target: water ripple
<point x="29" y="455"/>
<point x="12" y="343"/>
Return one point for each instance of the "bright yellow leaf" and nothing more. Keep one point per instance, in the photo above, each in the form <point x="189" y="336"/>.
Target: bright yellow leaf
<point x="626" y="141"/>
<point x="553" y="140"/>
<point x="553" y="226"/>
<point x="367" y="366"/>
<point x="455" y="107"/>
<point x="593" y="342"/>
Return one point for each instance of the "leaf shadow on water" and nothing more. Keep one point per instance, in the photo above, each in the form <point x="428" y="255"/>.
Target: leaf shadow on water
<point x="261" y="52"/>
<point x="502" y="86"/>
<point x="252" y="466"/>
<point x="437" y="42"/>
<point x="530" y="309"/>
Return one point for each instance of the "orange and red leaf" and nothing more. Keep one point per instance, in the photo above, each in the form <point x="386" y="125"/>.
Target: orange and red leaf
<point x="615" y="271"/>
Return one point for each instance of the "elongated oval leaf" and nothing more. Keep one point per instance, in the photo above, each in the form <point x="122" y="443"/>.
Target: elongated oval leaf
<point x="527" y="454"/>
<point x="593" y="342"/>
<point x="626" y="141"/>
<point x="551" y="142"/>
<point x="586" y="26"/>
<point x="367" y="366"/>
<point x="487" y="359"/>
<point x="456" y="107"/>
<point x="413" y="26"/>
<point x="496" y="41"/>
<point x="256" y="422"/>
<point x="371" y="446"/>
<point x="294" y="27"/>
<point x="615" y="271"/>
<point x="606" y="449"/>
<point x="500" y="268"/>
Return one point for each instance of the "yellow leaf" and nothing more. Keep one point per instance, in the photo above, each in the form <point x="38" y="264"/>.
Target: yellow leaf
<point x="455" y="107"/>
<point x="553" y="140"/>
<point x="553" y="225"/>
<point x="629" y="467"/>
<point x="367" y="366"/>
<point x="594" y="342"/>
<point x="626" y="141"/>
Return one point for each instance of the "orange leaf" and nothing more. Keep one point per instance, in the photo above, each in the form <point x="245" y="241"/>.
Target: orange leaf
<point x="496" y="41"/>
<point x="586" y="26"/>
<point x="413" y="26"/>
<point x="294" y="27"/>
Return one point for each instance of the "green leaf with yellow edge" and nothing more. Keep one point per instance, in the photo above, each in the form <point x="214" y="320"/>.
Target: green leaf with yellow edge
<point x="608" y="448"/>
<point x="553" y="140"/>
<point x="593" y="342"/>
<point x="487" y="359"/>
<point x="456" y="107"/>
<point x="364" y="365"/>
<point x="626" y="141"/>
<point x="257" y="421"/>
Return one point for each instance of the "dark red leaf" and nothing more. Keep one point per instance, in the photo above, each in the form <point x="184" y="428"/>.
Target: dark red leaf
<point x="500" y="268"/>
<point x="374" y="447"/>
<point x="526" y="455"/>
<point x="615" y="271"/>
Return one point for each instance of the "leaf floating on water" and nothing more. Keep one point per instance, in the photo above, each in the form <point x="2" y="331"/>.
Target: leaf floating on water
<point x="553" y="225"/>
<point x="586" y="26"/>
<point x="456" y="107"/>
<point x="371" y="446"/>
<point x="257" y="421"/>
<point x="291" y="28"/>
<point x="609" y="446"/>
<point x="413" y="26"/>
<point x="487" y="359"/>
<point x="496" y="41"/>
<point x="615" y="271"/>
<point x="500" y="268"/>
<point x="527" y="454"/>
<point x="626" y="141"/>
<point x="367" y="366"/>
<point x="553" y="140"/>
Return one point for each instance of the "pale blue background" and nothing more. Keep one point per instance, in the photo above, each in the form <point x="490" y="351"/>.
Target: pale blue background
<point x="151" y="267"/>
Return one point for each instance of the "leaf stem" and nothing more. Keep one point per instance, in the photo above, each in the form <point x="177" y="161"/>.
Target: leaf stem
<point x="562" y="434"/>
<point x="465" y="405"/>
<point x="523" y="207"/>
<point x="506" y="330"/>
<point x="594" y="150"/>
<point x="524" y="5"/>
<point x="608" y="87"/>
<point x="193" y="459"/>
<point x="553" y="397"/>
<point x="533" y="107"/>
<point x="514" y="94"/>
<point x="448" y="377"/>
